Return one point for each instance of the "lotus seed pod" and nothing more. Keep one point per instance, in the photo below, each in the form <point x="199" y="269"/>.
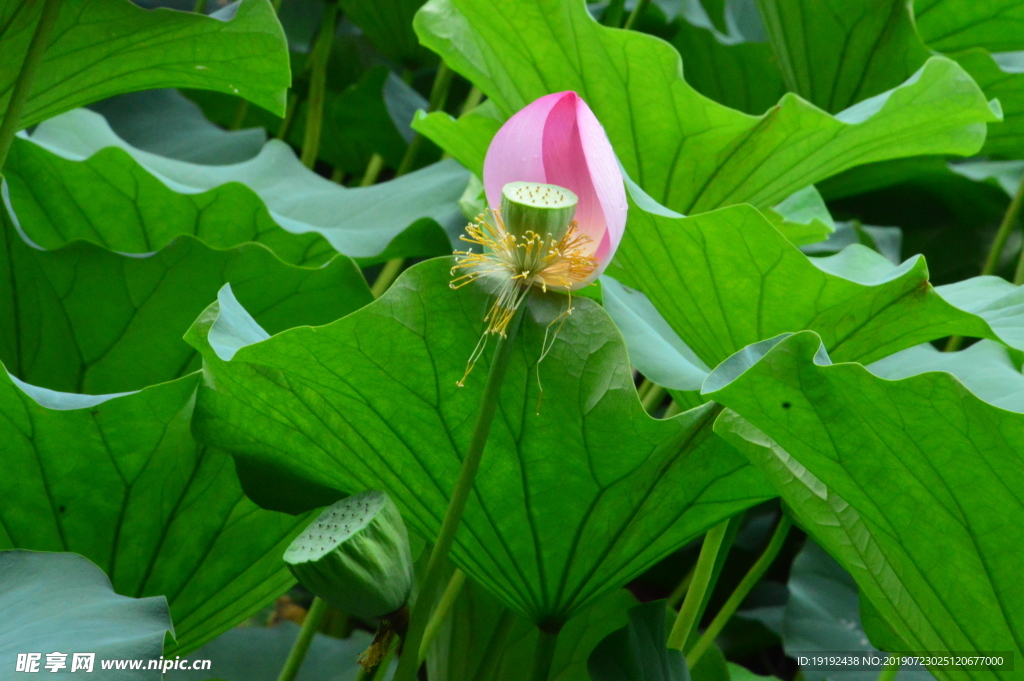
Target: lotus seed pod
<point x="356" y="556"/>
<point x="539" y="208"/>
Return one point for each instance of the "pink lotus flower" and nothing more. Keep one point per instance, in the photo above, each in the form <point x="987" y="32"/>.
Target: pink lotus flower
<point x="530" y="236"/>
<point x="558" y="140"/>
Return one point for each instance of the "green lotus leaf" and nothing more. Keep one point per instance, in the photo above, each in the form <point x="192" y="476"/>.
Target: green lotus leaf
<point x="104" y="190"/>
<point x="733" y="69"/>
<point x="371" y="402"/>
<point x="690" y="153"/>
<point x="638" y="651"/>
<point x="948" y="25"/>
<point x="836" y="53"/>
<point x="158" y="513"/>
<point x="744" y="282"/>
<point x="60" y="602"/>
<point x="467" y="637"/>
<point x="85" y="319"/>
<point x="102" y="48"/>
<point x="913" y="485"/>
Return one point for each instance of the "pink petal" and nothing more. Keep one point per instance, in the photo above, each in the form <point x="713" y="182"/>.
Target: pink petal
<point x="579" y="157"/>
<point x="515" y="154"/>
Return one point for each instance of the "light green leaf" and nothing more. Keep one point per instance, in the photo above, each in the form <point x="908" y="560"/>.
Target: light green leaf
<point x="835" y="53"/>
<point x="949" y="25"/>
<point x="802" y="218"/>
<point x="469" y="636"/>
<point x="166" y="123"/>
<point x="119" y="479"/>
<point x="689" y="153"/>
<point x="259" y="653"/>
<point x="60" y="602"/>
<point x="467" y="138"/>
<point x="557" y="519"/>
<point x="654" y="348"/>
<point x="84" y="319"/>
<point x="822" y="616"/>
<point x="914" y="486"/>
<point x="102" y="189"/>
<point x="102" y="48"/>
<point x="987" y="369"/>
<point x="727" y="279"/>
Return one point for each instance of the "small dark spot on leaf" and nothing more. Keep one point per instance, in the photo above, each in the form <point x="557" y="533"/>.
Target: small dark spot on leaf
<point x="786" y="405"/>
<point x="62" y="508"/>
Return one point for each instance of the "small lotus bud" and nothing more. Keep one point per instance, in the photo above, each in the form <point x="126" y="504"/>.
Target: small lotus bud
<point x="544" y="209"/>
<point x="356" y="556"/>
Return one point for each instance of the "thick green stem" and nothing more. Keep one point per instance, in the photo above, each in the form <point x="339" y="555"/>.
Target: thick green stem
<point x="23" y="85"/>
<point x="748" y="582"/>
<point x="443" y="609"/>
<point x="392" y="268"/>
<point x="996" y="251"/>
<point x="544" y="655"/>
<point x="472" y="100"/>
<point x="654" y="397"/>
<point x="637" y="11"/>
<point x="702" y="575"/>
<point x="488" y="668"/>
<point x="1005" y="227"/>
<point x="438" y="95"/>
<point x="1011" y="217"/>
<point x="318" y="84"/>
<point x="301" y="645"/>
<point x="373" y="169"/>
<point x="889" y="672"/>
<point x="289" y="116"/>
<point x="409" y="662"/>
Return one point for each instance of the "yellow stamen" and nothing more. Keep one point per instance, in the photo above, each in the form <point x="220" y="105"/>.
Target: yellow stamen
<point x="519" y="263"/>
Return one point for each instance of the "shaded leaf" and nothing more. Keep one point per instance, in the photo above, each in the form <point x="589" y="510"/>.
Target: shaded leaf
<point x="108" y="192"/>
<point x="948" y="25"/>
<point x="835" y="53"/>
<point x="914" y="486"/>
<point x="743" y="282"/>
<point x="471" y="633"/>
<point x="638" y="651"/>
<point x="62" y="602"/>
<point x="557" y="519"/>
<point x="156" y="512"/>
<point x="689" y="153"/>
<point x="102" y="48"/>
<point x="259" y="654"/>
<point x="84" y="319"/>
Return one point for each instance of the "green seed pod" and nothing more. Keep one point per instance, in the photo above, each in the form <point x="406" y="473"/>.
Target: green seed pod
<point x="356" y="556"/>
<point x="544" y="209"/>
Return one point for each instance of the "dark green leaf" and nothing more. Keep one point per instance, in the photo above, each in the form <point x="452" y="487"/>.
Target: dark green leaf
<point x="102" y="48"/>
<point x="471" y="635"/>
<point x="638" y="651"/>
<point x="914" y="486"/>
<point x="84" y="319"/>
<point x="689" y="153"/>
<point x="106" y="191"/>
<point x="371" y="401"/>
<point x="119" y="479"/>
<point x="835" y="53"/>
<point x="727" y="279"/>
